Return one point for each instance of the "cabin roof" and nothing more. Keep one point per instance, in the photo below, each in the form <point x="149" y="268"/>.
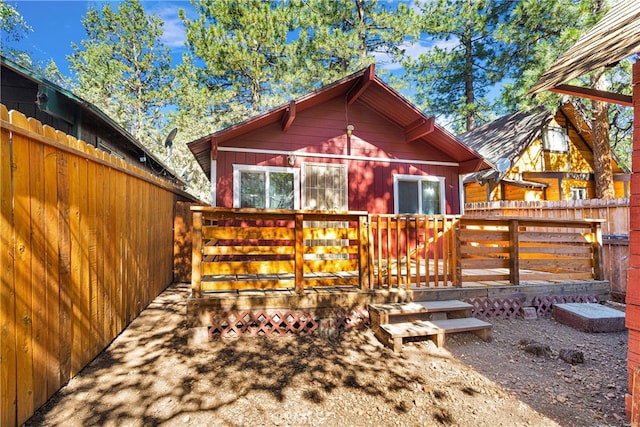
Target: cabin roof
<point x="508" y="136"/>
<point x="363" y="86"/>
<point x="92" y="113"/>
<point x="615" y="37"/>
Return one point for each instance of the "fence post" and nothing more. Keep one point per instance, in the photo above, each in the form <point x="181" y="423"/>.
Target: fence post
<point x="196" y="256"/>
<point x="596" y="230"/>
<point x="299" y="253"/>
<point x="514" y="252"/>
<point x="456" y="253"/>
<point x="363" y="253"/>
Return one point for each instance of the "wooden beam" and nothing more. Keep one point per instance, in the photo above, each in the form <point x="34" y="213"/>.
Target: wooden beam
<point x="289" y="116"/>
<point x="362" y="85"/>
<point x="418" y="129"/>
<point x="598" y="95"/>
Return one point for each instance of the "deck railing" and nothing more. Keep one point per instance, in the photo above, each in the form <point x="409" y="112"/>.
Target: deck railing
<point x="273" y="249"/>
<point x="236" y="249"/>
<point x="525" y="249"/>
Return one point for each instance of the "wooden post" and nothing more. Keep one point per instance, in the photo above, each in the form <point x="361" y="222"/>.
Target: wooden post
<point x="596" y="231"/>
<point x="457" y="253"/>
<point x="514" y="253"/>
<point x="299" y="253"/>
<point x="370" y="246"/>
<point x="196" y="256"/>
<point x="635" y="392"/>
<point x="363" y="257"/>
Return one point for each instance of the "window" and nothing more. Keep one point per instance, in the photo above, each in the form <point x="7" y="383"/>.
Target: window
<point x="578" y="193"/>
<point x="555" y="138"/>
<point x="419" y="194"/>
<point x="266" y="187"/>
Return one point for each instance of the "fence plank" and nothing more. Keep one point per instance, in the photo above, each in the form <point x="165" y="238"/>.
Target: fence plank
<point x="23" y="284"/>
<point x="38" y="262"/>
<point x="8" y="367"/>
<point x="52" y="282"/>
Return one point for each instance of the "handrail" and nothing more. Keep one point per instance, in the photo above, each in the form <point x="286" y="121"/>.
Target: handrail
<point x="280" y="248"/>
<point x="238" y="249"/>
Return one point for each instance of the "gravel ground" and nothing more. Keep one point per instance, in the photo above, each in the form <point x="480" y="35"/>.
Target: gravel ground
<point x="148" y="376"/>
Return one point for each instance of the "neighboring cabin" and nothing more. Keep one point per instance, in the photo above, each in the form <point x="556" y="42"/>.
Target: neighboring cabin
<point x="539" y="155"/>
<point x="25" y="91"/>
<point x="353" y="145"/>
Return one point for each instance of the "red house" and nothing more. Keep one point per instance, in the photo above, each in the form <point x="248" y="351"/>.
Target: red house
<point x="353" y="145"/>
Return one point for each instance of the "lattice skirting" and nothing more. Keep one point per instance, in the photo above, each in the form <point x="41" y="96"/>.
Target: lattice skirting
<point x="267" y="323"/>
<point x="544" y="305"/>
<point x="487" y="308"/>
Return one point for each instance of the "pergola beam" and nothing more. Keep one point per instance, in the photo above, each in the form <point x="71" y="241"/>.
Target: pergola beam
<point x="597" y="95"/>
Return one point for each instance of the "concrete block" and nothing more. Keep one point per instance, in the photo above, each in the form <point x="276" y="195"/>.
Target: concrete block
<point x="529" y="313"/>
<point x="589" y="317"/>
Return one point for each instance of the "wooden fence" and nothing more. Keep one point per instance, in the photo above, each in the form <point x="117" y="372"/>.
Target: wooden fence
<point x="615" y="228"/>
<point x="86" y="242"/>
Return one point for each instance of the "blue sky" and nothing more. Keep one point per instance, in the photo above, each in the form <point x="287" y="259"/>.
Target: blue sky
<point x="57" y="23"/>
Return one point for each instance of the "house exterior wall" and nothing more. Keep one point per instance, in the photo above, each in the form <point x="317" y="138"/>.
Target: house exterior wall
<point x="19" y="93"/>
<point x="633" y="275"/>
<point x="557" y="170"/>
<point x="375" y="152"/>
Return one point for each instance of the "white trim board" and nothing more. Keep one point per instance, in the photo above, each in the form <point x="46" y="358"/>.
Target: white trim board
<point x="336" y="156"/>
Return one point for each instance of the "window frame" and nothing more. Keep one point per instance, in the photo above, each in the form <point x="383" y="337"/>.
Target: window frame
<point x="239" y="168"/>
<point x="578" y="191"/>
<point x="546" y="140"/>
<point x="397" y="178"/>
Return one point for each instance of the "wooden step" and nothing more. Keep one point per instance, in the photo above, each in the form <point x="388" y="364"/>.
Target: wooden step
<point x="380" y="314"/>
<point x="393" y="334"/>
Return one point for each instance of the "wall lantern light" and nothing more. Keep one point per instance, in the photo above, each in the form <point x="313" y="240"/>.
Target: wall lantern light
<point x="350" y="130"/>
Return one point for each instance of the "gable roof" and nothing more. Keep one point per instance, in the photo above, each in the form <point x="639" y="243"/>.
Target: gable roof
<point x="615" y="37"/>
<point x="363" y="86"/>
<point x="508" y="136"/>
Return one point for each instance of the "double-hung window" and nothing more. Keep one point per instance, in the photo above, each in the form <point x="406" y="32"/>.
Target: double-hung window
<point x="418" y="194"/>
<point x="266" y="187"/>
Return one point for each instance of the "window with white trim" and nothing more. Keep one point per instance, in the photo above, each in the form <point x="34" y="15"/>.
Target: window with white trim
<point x="578" y="193"/>
<point x="266" y="187"/>
<point x="414" y="194"/>
<point x="555" y="138"/>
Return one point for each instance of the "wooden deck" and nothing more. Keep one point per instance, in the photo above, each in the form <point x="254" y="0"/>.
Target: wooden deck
<point x="286" y="260"/>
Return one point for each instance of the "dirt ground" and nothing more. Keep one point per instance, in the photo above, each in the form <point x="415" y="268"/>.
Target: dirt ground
<point x="148" y="376"/>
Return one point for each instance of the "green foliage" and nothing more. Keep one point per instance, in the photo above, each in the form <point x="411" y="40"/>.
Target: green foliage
<point x="261" y="54"/>
<point x="453" y="78"/>
<point x="13" y="28"/>
<point x="12" y="25"/>
<point x="123" y="67"/>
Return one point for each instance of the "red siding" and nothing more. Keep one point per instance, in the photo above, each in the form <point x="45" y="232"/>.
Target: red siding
<point x="322" y="130"/>
<point x="633" y="280"/>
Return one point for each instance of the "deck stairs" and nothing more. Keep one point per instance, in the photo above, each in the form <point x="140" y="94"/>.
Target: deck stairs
<point x="393" y="322"/>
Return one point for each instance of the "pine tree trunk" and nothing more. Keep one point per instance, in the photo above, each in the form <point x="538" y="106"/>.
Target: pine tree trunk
<point x="601" y="147"/>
